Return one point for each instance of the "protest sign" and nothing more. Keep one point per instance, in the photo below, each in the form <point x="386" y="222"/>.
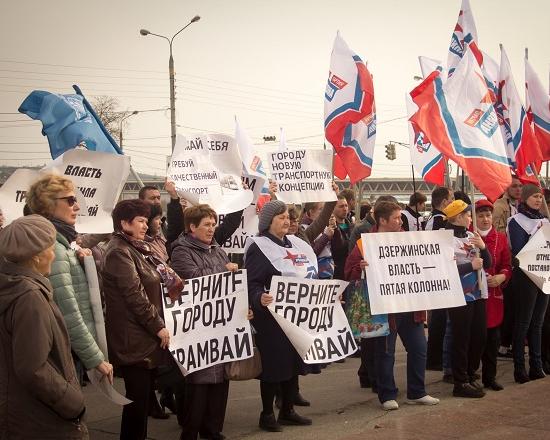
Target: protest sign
<point x="411" y="271"/>
<point x="302" y="175"/>
<point x="99" y="177"/>
<point x="95" y="301"/>
<point x="13" y="193"/>
<point x="207" y="169"/>
<point x="208" y="324"/>
<point x="534" y="258"/>
<point x="312" y="317"/>
<point x="248" y="227"/>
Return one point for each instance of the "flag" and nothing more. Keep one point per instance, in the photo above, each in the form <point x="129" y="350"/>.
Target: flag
<point x="425" y="158"/>
<point x="460" y="120"/>
<point x="67" y="121"/>
<point x="428" y="65"/>
<point x="350" y="114"/>
<point x="521" y="145"/>
<point x="464" y="33"/>
<point x="338" y="168"/>
<point x="538" y="109"/>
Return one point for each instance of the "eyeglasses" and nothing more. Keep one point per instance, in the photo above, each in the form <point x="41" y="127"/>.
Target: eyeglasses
<point x="71" y="200"/>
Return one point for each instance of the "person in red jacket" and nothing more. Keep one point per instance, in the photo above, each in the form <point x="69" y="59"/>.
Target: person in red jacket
<point x="497" y="276"/>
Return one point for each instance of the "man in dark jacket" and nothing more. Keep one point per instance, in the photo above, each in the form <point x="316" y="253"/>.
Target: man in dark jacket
<point x="339" y="244"/>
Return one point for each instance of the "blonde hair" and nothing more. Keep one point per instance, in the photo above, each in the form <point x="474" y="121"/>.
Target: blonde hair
<point x="42" y="194"/>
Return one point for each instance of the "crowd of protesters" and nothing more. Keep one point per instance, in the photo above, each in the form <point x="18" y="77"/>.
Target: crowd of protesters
<point x="43" y="286"/>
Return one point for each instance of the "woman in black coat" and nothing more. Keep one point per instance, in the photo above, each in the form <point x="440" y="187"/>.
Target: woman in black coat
<point x="267" y="255"/>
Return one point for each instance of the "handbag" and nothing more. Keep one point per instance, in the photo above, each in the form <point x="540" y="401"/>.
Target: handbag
<point x="244" y="369"/>
<point x="362" y="322"/>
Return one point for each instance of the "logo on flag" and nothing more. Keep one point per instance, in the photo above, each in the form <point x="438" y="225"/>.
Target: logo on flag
<point x="486" y="121"/>
<point x="334" y="84"/>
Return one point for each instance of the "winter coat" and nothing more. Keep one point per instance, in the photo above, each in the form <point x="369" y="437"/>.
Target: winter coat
<point x="280" y="361"/>
<point x="175" y="217"/>
<point x="502" y="211"/>
<point x="339" y="246"/>
<point x="497" y="245"/>
<point x="40" y="397"/>
<point x="133" y="303"/>
<point x="72" y="296"/>
<point x="192" y="258"/>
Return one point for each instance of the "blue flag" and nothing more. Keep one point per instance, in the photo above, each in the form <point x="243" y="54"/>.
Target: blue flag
<point x="68" y="120"/>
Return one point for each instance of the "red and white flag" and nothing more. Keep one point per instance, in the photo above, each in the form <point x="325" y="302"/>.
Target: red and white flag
<point x="350" y="112"/>
<point x="464" y="33"/>
<point x="521" y="145"/>
<point x="459" y="119"/>
<point x="538" y="109"/>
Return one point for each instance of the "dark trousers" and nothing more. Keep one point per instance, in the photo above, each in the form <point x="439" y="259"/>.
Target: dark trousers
<point x="414" y="341"/>
<point x="204" y="410"/>
<point x="436" y="332"/>
<point x="137" y="381"/>
<point x="288" y="389"/>
<point x="530" y="311"/>
<point x="489" y="357"/>
<point x="468" y="324"/>
<point x="507" y="326"/>
<point x="367" y="372"/>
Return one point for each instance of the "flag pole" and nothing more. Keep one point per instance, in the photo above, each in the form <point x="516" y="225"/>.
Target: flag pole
<point x="474" y="226"/>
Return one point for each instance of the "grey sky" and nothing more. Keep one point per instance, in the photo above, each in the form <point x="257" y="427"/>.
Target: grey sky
<point x="264" y="61"/>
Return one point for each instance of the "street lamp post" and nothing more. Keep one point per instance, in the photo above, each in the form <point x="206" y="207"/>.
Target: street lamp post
<point x="120" y="137"/>
<point x="171" y="73"/>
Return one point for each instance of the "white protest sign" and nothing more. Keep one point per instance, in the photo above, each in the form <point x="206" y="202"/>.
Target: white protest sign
<point x="411" y="271"/>
<point x="302" y="175"/>
<point x="207" y="169"/>
<point x="247" y="228"/>
<point x="534" y="258"/>
<point x="100" y="178"/>
<point x="311" y="315"/>
<point x="13" y="193"/>
<point x="208" y="325"/>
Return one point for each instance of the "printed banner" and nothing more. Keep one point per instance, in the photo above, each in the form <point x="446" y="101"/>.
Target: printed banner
<point x="312" y="317"/>
<point x="247" y="228"/>
<point x="302" y="175"/>
<point x="207" y="169"/>
<point x="13" y="193"/>
<point x="534" y="258"/>
<point x="208" y="325"/>
<point x="100" y="178"/>
<point x="410" y="271"/>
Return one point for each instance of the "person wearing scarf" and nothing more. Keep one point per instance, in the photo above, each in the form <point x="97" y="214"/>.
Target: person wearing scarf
<point x="531" y="307"/>
<point x="136" y="334"/>
<point x="498" y="276"/>
<point x="468" y="322"/>
<point x="53" y="196"/>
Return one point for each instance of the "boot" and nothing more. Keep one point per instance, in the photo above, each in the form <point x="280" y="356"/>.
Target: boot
<point x="268" y="423"/>
<point x="468" y="391"/>
<point x="300" y="401"/>
<point x="520" y="375"/>
<point x="292" y="418"/>
<point x="535" y="374"/>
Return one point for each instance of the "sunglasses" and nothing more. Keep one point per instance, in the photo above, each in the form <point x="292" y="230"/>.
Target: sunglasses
<point x="71" y="200"/>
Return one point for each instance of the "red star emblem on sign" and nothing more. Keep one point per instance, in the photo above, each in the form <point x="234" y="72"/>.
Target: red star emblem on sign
<point x="297" y="259"/>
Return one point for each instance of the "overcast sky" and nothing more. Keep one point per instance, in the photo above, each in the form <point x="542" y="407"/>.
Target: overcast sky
<point x="264" y="61"/>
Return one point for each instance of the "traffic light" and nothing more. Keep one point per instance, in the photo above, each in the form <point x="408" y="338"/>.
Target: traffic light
<point x="390" y="151"/>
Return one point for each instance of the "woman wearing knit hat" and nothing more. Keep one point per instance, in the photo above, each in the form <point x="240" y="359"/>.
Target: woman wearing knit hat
<point x="531" y="307"/>
<point x="468" y="322"/>
<point x="274" y="252"/>
<point x="53" y="196"/>
<point x="497" y="276"/>
<point x="38" y="381"/>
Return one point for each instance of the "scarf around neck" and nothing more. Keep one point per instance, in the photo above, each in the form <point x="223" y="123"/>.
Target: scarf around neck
<point x="529" y="212"/>
<point x="66" y="230"/>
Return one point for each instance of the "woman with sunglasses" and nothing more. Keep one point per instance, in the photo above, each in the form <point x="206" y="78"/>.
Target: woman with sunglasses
<point x="53" y="197"/>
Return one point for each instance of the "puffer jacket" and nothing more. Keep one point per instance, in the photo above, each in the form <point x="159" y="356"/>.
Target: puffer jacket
<point x="40" y="397"/>
<point x="131" y="285"/>
<point x="72" y="295"/>
<point x="192" y="258"/>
